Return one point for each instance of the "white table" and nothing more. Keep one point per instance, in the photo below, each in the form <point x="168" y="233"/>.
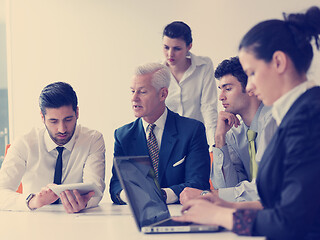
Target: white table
<point x="107" y="221"/>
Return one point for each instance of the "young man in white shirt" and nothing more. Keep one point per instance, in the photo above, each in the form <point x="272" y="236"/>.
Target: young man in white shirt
<point x="33" y="159"/>
<point x="230" y="172"/>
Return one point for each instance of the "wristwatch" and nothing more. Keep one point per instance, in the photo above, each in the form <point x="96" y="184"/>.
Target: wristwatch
<point x="204" y="192"/>
<point x="121" y="202"/>
<point x="164" y="194"/>
<point x="31" y="195"/>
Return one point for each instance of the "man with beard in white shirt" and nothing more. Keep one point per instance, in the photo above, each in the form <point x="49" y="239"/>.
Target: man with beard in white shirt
<point x="62" y="152"/>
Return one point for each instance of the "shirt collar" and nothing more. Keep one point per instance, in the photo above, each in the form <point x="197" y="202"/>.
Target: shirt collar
<point x="159" y="123"/>
<point x="51" y="145"/>
<point x="283" y="104"/>
<point x="196" y="61"/>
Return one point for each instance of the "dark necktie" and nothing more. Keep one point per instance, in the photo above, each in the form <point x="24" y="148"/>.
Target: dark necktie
<point x="58" y="169"/>
<point x="153" y="148"/>
<point x="251" y="135"/>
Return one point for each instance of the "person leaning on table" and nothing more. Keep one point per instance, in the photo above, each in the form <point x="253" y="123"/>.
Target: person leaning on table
<point x="276" y="55"/>
<point x="233" y="171"/>
<point x="32" y="158"/>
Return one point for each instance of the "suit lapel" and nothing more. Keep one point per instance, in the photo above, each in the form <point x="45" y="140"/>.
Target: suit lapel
<point x="168" y="142"/>
<point x="139" y="142"/>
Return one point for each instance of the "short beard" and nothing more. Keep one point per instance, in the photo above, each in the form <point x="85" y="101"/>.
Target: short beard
<point x="61" y="142"/>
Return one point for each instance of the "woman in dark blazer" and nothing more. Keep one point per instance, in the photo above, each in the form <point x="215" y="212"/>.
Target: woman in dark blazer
<point x="276" y="55"/>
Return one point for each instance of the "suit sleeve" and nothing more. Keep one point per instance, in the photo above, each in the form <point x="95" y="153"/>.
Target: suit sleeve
<point x="197" y="162"/>
<point x="115" y="186"/>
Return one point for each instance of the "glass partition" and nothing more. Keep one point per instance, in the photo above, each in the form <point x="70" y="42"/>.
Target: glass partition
<point x="4" y="119"/>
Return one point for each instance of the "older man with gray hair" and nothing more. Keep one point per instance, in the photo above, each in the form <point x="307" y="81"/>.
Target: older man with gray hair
<point x="177" y="146"/>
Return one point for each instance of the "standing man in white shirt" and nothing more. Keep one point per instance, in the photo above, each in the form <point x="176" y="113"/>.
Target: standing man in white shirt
<point x="230" y="171"/>
<point x="34" y="158"/>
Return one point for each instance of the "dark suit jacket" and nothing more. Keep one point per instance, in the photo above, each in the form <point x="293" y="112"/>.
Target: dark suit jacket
<point x="182" y="138"/>
<point x="289" y="174"/>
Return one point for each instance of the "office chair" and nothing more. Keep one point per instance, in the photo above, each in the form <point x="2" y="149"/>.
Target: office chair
<point x="20" y="189"/>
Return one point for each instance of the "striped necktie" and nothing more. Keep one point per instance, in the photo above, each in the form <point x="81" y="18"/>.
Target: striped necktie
<point x="153" y="148"/>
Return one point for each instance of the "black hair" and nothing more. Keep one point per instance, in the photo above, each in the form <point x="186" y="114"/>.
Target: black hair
<point x="56" y="95"/>
<point x="232" y="66"/>
<point x="292" y="36"/>
<point x="180" y="30"/>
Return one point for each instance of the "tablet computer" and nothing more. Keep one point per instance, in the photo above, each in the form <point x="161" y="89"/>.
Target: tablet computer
<point x="83" y="188"/>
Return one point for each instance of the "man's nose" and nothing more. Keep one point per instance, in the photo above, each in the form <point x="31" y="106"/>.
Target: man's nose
<point x="135" y="97"/>
<point x="222" y="96"/>
<point x="62" y="127"/>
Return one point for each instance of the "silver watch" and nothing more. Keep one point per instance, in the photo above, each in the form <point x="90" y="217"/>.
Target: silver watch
<point x="28" y="200"/>
<point x="204" y="192"/>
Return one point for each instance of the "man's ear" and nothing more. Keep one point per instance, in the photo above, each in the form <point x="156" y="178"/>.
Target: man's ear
<point x="77" y="113"/>
<point x="189" y="47"/>
<point x="280" y="61"/>
<point x="163" y="93"/>
<point x="42" y="116"/>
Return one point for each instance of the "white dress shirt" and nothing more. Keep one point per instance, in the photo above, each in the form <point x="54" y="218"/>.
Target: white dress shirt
<point x="195" y="96"/>
<point x="283" y="104"/>
<point x="32" y="159"/>
<point x="158" y="132"/>
<point x="159" y="128"/>
<point x="231" y="164"/>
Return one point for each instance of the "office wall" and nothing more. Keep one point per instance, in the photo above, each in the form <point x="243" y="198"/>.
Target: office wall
<point x="95" y="44"/>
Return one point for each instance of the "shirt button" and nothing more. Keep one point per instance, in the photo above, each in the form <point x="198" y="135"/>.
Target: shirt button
<point x="220" y="155"/>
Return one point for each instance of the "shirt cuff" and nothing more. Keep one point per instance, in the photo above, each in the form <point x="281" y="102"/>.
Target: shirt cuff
<point x="123" y="196"/>
<point x="217" y="154"/>
<point x="171" y="196"/>
<point x="216" y="174"/>
<point x="247" y="191"/>
<point x="20" y="203"/>
<point x="93" y="202"/>
<point x="227" y="194"/>
<point x="221" y="155"/>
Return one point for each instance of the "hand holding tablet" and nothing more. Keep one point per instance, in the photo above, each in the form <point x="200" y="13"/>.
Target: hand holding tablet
<point x="83" y="188"/>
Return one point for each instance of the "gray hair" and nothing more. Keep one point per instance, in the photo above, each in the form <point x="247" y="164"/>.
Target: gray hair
<point x="160" y="74"/>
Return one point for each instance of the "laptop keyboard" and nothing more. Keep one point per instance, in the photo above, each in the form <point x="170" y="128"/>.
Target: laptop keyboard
<point x="171" y="222"/>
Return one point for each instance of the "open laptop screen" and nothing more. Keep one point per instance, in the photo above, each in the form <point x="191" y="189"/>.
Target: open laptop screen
<point x="143" y="192"/>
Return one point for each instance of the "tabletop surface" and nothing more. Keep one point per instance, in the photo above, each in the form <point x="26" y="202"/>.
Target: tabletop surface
<point x="107" y="221"/>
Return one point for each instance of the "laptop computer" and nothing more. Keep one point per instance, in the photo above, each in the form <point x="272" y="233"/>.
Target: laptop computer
<point x="145" y="199"/>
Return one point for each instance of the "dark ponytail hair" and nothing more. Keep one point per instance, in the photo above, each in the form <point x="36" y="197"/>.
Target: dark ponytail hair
<point x="292" y="35"/>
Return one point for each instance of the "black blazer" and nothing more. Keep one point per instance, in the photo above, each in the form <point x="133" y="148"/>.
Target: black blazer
<point x="183" y="141"/>
<point x="289" y="174"/>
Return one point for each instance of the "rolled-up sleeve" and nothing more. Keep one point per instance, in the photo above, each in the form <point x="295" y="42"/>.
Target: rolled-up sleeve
<point x="94" y="168"/>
